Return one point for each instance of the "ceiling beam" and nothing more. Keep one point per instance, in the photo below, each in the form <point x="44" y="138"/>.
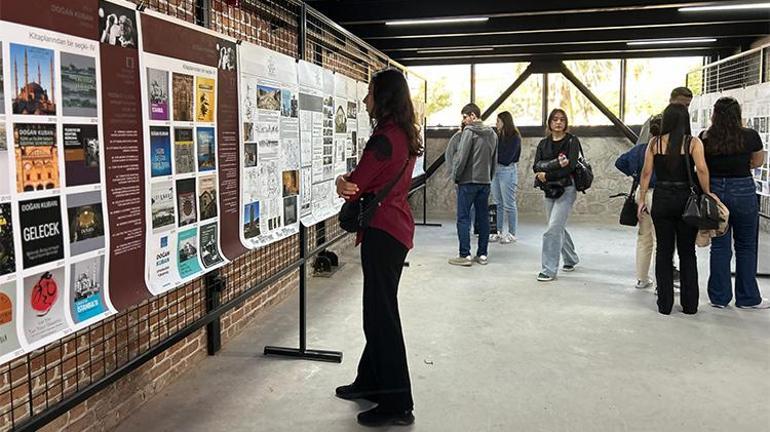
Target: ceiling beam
<point x="720" y="31"/>
<point x="352" y="11"/>
<point x="559" y="23"/>
<point x="528" y="57"/>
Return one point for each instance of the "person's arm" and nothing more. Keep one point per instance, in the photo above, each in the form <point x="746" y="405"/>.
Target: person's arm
<point x="376" y="157"/>
<point x="644" y="182"/>
<point x="463" y="154"/>
<point x="449" y="153"/>
<point x="701" y="169"/>
<point x="758" y="158"/>
<point x="493" y="162"/>
<point x="573" y="152"/>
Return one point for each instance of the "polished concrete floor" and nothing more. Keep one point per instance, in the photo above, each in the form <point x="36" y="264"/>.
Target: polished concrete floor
<point x="491" y="349"/>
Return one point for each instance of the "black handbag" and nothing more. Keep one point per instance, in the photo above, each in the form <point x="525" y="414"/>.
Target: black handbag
<point x="584" y="174"/>
<point x="356" y="215"/>
<point x="700" y="210"/>
<point x="629" y="213"/>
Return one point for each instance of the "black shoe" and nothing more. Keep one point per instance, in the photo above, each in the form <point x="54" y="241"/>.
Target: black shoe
<point x="376" y="417"/>
<point x="351" y="392"/>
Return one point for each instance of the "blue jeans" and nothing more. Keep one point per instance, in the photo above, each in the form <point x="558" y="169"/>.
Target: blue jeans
<point x="556" y="239"/>
<point x="504" y="192"/>
<point x="477" y="196"/>
<point x="739" y="195"/>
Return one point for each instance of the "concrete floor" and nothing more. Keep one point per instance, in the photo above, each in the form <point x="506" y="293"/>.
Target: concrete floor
<point x="491" y="349"/>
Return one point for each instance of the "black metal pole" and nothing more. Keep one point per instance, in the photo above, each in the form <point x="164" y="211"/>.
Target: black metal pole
<point x="544" y="105"/>
<point x="214" y="286"/>
<point x="631" y="135"/>
<point x="302" y="352"/>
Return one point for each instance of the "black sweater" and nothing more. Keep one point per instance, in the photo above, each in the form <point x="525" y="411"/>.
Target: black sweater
<point x="508" y="149"/>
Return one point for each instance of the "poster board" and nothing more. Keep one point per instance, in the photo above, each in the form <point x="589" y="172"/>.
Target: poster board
<point x="270" y="169"/>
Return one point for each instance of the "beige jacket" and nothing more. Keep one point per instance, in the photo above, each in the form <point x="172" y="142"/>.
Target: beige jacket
<point x="705" y="236"/>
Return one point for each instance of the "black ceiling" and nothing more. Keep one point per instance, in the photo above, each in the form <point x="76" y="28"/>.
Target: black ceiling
<point x="545" y="29"/>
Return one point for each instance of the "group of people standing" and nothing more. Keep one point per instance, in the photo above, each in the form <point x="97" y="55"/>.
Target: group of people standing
<point x="481" y="159"/>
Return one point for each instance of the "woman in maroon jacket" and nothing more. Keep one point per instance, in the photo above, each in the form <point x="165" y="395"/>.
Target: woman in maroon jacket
<point x="383" y="374"/>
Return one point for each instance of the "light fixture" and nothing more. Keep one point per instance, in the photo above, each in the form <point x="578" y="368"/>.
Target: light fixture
<point x="672" y="41"/>
<point x="450" y="50"/>
<point x="726" y="7"/>
<point x="436" y="21"/>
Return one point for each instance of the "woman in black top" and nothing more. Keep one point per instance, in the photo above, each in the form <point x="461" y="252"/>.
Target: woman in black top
<point x="505" y="182"/>
<point x="555" y="162"/>
<point x="731" y="152"/>
<point x="666" y="156"/>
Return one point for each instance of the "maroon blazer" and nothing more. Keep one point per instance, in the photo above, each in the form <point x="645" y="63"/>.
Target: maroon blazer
<point x="383" y="159"/>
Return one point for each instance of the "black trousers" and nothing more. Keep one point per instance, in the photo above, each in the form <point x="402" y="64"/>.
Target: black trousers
<point x="383" y="370"/>
<point x="670" y="230"/>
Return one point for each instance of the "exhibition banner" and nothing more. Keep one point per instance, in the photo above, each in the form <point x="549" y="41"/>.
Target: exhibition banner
<point x="54" y="232"/>
<point x="317" y="108"/>
<point x="180" y="98"/>
<point x="271" y="158"/>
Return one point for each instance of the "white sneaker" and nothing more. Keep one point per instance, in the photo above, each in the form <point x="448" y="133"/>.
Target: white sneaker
<point x="643" y="284"/>
<point x="763" y="304"/>
<point x="462" y="261"/>
<point x="507" y="238"/>
<point x="482" y="259"/>
<point x="718" y="306"/>
<point x="494" y="238"/>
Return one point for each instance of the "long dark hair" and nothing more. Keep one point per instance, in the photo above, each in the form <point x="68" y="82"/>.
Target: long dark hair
<point x="392" y="101"/>
<point x="724" y="135"/>
<point x="509" y="129"/>
<point x="552" y="115"/>
<point x="676" y="123"/>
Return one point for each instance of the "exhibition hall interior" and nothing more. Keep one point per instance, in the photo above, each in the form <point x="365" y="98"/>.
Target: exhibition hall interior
<point x="346" y="215"/>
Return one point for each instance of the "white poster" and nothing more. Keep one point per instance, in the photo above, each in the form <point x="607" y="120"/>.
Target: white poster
<point x="52" y="194"/>
<point x="181" y="168"/>
<point x="271" y="154"/>
<point x="417" y="91"/>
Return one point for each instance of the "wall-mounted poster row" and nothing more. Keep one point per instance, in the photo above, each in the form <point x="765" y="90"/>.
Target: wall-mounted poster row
<point x="138" y="152"/>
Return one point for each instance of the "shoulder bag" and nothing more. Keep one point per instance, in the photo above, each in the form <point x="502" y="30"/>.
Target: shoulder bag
<point x="356" y="215"/>
<point x="629" y="213"/>
<point x="584" y="174"/>
<point x="701" y="210"/>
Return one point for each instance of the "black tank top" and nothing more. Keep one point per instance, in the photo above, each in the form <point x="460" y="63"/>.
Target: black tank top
<point x="672" y="173"/>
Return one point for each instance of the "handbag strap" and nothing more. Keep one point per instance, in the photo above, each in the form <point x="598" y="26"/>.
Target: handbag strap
<point x="688" y="139"/>
<point x="388" y="187"/>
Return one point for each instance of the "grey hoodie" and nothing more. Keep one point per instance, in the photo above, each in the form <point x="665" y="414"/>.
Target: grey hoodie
<point x="476" y="156"/>
<point x="449" y="153"/>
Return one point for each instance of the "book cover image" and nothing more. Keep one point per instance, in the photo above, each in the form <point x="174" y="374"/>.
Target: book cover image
<point x="209" y="245"/>
<point x="184" y="154"/>
<point x="157" y="92"/>
<point x="5" y="183"/>
<point x="251" y="220"/>
<point x="289" y="104"/>
<point x="3" y="138"/>
<point x="81" y="154"/>
<point x="187" y="253"/>
<point x="7" y="251"/>
<point x="204" y="97"/>
<point x="44" y="304"/>
<point x="41" y="226"/>
<point x="206" y="154"/>
<point x="250" y="153"/>
<point x="163" y="255"/>
<point x="78" y="85"/>
<point x="186" y="202"/>
<point x="9" y="340"/>
<point x="34" y="80"/>
<point x="290" y="210"/>
<point x="182" y="86"/>
<point x="37" y="158"/>
<point x="86" y="222"/>
<point x="162" y="205"/>
<point x="2" y="83"/>
<point x="207" y="197"/>
<point x="160" y="151"/>
<point x="87" y="289"/>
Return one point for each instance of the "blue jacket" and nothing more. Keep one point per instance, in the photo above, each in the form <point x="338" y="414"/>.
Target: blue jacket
<point x="631" y="163"/>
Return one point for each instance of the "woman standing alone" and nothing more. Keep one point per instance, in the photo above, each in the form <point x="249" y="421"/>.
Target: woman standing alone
<point x="505" y="182"/>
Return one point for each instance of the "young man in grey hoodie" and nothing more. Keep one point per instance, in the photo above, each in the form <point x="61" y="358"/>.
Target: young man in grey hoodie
<point x="473" y="167"/>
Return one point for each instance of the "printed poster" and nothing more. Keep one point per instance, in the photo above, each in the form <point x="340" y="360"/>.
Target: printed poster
<point x="270" y="147"/>
<point x="317" y="115"/>
<point x="180" y="105"/>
